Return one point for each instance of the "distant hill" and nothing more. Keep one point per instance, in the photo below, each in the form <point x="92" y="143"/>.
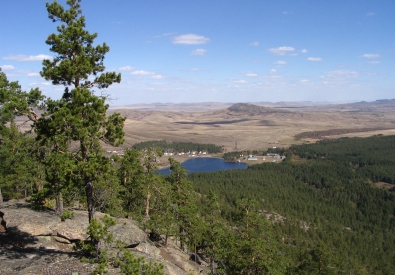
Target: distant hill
<point x="176" y="107"/>
<point x="381" y="105"/>
<point x="380" y="102"/>
<point x="252" y="109"/>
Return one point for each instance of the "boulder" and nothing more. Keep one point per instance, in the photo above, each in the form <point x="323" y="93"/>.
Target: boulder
<point x="128" y="232"/>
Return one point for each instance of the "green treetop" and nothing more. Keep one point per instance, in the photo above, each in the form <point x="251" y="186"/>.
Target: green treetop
<point x="76" y="59"/>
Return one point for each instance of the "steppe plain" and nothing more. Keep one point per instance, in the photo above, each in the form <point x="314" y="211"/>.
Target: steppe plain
<point x="255" y="126"/>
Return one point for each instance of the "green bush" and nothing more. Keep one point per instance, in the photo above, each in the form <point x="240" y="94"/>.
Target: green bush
<point x="66" y="215"/>
<point x="131" y="265"/>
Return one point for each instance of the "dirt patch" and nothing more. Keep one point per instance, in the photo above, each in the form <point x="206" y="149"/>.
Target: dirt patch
<point x="384" y="185"/>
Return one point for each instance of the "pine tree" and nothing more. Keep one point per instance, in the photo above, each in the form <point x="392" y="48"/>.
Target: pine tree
<point x="150" y="180"/>
<point x="15" y="102"/>
<point x="76" y="124"/>
<point x="252" y="249"/>
<point x="216" y="232"/>
<point x="19" y="170"/>
<point x="130" y="174"/>
<point x="183" y="199"/>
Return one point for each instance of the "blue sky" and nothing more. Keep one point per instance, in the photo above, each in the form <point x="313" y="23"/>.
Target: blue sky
<point x="220" y="51"/>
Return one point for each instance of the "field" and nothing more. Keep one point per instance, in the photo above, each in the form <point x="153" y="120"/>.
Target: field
<point x="256" y="126"/>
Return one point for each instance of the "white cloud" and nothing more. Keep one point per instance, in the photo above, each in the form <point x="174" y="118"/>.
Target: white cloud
<point x="254" y="44"/>
<point x="145" y="73"/>
<point x="371" y="55"/>
<point x="142" y="73"/>
<point x="33" y="74"/>
<point x="280" y="62"/>
<point x="40" y="84"/>
<point x="21" y="57"/>
<point x="343" y="73"/>
<point x="304" y="51"/>
<point x="251" y="74"/>
<point x="199" y="52"/>
<point x="373" y="62"/>
<point x="190" y="39"/>
<point x="273" y="71"/>
<point x="240" y="81"/>
<point x="126" y="68"/>
<point x="7" y="67"/>
<point x="282" y="50"/>
<point x="305" y="81"/>
<point x="314" y="59"/>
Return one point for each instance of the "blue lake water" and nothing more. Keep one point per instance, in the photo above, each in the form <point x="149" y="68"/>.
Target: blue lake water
<point x="194" y="165"/>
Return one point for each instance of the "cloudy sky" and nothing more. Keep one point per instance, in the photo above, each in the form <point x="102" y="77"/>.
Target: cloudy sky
<point x="220" y="50"/>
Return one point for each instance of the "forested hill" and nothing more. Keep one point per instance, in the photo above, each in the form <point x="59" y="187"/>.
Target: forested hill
<point x="252" y="109"/>
<point x="331" y="199"/>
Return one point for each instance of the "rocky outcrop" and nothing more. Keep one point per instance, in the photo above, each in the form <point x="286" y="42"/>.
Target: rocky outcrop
<point x="40" y="238"/>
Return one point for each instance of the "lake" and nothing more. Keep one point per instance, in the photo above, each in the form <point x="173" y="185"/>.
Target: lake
<point x="194" y="165"/>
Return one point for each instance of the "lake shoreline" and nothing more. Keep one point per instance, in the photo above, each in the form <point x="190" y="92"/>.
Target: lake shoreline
<point x="164" y="160"/>
<point x="206" y="164"/>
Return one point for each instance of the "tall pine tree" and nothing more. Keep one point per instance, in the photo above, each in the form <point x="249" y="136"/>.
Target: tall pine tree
<point x="76" y="124"/>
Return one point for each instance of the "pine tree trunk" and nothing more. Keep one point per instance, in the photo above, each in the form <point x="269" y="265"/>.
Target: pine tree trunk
<point x="212" y="267"/>
<point x="89" y="199"/>
<point x="1" y="199"/>
<point x="88" y="184"/>
<point x="181" y="238"/>
<point x="59" y="204"/>
<point x="147" y="207"/>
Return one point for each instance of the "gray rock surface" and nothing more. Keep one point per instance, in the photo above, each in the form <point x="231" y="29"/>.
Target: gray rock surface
<point x="38" y="242"/>
<point x="35" y="223"/>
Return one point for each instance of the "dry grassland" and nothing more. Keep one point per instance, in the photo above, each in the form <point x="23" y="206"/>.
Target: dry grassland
<point x="244" y="130"/>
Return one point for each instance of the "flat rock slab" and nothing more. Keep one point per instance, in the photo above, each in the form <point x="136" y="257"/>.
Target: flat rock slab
<point x="25" y="220"/>
<point x="73" y="229"/>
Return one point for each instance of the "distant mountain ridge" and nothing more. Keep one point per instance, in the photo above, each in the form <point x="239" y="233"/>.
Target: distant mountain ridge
<point x="253" y="106"/>
<point x="252" y="109"/>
